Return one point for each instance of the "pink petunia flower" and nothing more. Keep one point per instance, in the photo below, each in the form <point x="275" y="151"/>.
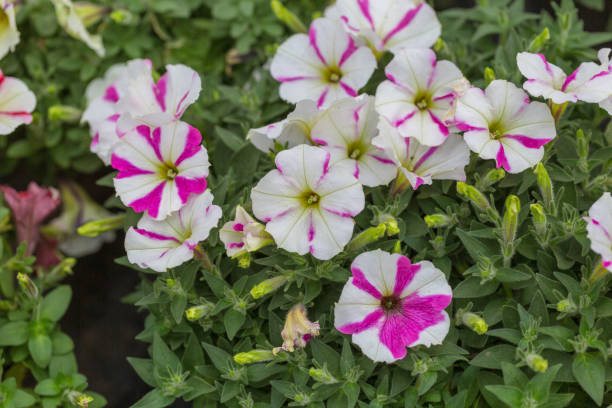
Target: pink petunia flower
<point x="599" y="229"/>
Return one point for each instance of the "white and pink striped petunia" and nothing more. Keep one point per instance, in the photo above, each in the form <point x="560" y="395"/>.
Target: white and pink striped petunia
<point x="599" y="229"/>
<point x="419" y="164"/>
<point x="243" y="235"/>
<point x="161" y="245"/>
<point x="159" y="168"/>
<point x="418" y="94"/>
<point x="500" y="123"/>
<point x="604" y="59"/>
<point x="323" y="66"/>
<point x="390" y="24"/>
<point x="9" y="34"/>
<point x="346" y="130"/>
<point x="16" y="104"/>
<point x="590" y="82"/>
<point x="308" y="206"/>
<point x="390" y="303"/>
<point x="289" y="132"/>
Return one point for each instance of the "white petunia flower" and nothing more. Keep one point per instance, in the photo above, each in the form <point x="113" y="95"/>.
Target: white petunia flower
<point x="390" y="24"/>
<point x="590" y="82"/>
<point x="16" y="104"/>
<point x="308" y="206"/>
<point x="346" y="130"/>
<point x="159" y="168"/>
<point x="418" y="94"/>
<point x="323" y="66"/>
<point x="243" y="235"/>
<point x="419" y="164"/>
<point x="9" y="35"/>
<point x="500" y="123"/>
<point x="599" y="229"/>
<point x="604" y="59"/>
<point x="390" y="304"/>
<point x="161" y="245"/>
<point x="290" y="132"/>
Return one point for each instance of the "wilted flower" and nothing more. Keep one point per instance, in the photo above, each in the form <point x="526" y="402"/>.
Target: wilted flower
<point x="474" y="322"/>
<point x="346" y="130"/>
<point x="418" y="94"/>
<point x="290" y="132"/>
<point x="599" y="229"/>
<point x="391" y="24"/>
<point x="501" y="123"/>
<point x="160" y="168"/>
<point x="390" y="304"/>
<point x="244" y="234"/>
<point x="308" y="206"/>
<point x="536" y="362"/>
<point x="16" y="104"/>
<point x="69" y="19"/>
<point x="297" y="330"/>
<point x="9" y="35"/>
<point x="323" y="66"/>
<point x="161" y="245"/>
<point x="420" y="164"/>
<point x="604" y="59"/>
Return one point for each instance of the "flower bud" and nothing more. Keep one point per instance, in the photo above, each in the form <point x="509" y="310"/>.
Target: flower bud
<point x="97" y="227"/>
<point x="475" y="322"/>
<point x="64" y="113"/>
<point x="437" y="220"/>
<point x="389" y="222"/>
<point x="29" y="287"/>
<point x="510" y="224"/>
<point x="545" y="185"/>
<point x="287" y="17"/>
<point x="268" y="286"/>
<point x="536" y="362"/>
<point x="253" y="356"/>
<point x="122" y="16"/>
<point x="197" y="312"/>
<point x="492" y="177"/>
<point x="298" y="329"/>
<point x="472" y="194"/>
<point x="366" y="237"/>
<point x="489" y="75"/>
<point x="538" y="218"/>
<point x="538" y="42"/>
<point x="566" y="306"/>
<point x="90" y="13"/>
<point x="322" y="375"/>
<point x="439" y="45"/>
<point x="78" y="399"/>
<point x="397" y="247"/>
<point x="244" y="260"/>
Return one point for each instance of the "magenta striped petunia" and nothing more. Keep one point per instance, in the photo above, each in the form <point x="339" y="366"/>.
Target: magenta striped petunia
<point x="390" y="303"/>
<point x="16" y="104"/>
<point x="323" y="66"/>
<point x="161" y="245"/>
<point x="159" y="168"/>
<point x="501" y="123"/>
<point x="599" y="229"/>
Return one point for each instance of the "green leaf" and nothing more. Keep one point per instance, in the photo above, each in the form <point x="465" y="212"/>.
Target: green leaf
<point x="513" y="375"/>
<point x="511" y="396"/>
<point x="164" y="360"/>
<point x="14" y="333"/>
<point x="494" y="356"/>
<point x="230" y="139"/>
<point x="55" y="304"/>
<point x="22" y="399"/>
<point x="154" y="399"/>
<point x="324" y="354"/>
<point x="233" y="321"/>
<point x="198" y="387"/>
<point x="590" y="373"/>
<point x="471" y="288"/>
<point x="144" y="369"/>
<point x="47" y="388"/>
<point x="41" y="348"/>
<point x="220" y="358"/>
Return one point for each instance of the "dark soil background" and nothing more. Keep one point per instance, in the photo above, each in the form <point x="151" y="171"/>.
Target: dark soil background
<point x="103" y="328"/>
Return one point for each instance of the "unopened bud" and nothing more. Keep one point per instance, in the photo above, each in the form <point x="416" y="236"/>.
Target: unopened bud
<point x="545" y="185"/>
<point x="64" y="113"/>
<point x="510" y="224"/>
<point x="536" y="362"/>
<point x="492" y="177"/>
<point x="253" y="356"/>
<point x="367" y="237"/>
<point x="472" y="194"/>
<point x="439" y="45"/>
<point x="29" y="287"/>
<point x="244" y="260"/>
<point x="197" y="312"/>
<point x="297" y="330"/>
<point x="489" y="75"/>
<point x="397" y="247"/>
<point x="475" y="322"/>
<point x="390" y="223"/>
<point x="538" y="42"/>
<point x="322" y="375"/>
<point x="287" y="17"/>
<point x="437" y="220"/>
<point x="97" y="227"/>
<point x="539" y="219"/>
<point x="122" y="16"/>
<point x="268" y="286"/>
<point x="566" y="306"/>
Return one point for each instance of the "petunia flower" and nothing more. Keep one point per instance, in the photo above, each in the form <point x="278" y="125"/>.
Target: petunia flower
<point x="501" y="123"/>
<point x="390" y="24"/>
<point x="244" y="234"/>
<point x="418" y="94"/>
<point x="346" y="130"/>
<point x="419" y="164"/>
<point x="16" y="104"/>
<point x="68" y="18"/>
<point x="599" y="229"/>
<point x="290" y="132"/>
<point x="9" y="35"/>
<point x="161" y="245"/>
<point x="308" y="206"/>
<point x="159" y="168"/>
<point x="30" y="208"/>
<point x="604" y="59"/>
<point x="390" y="304"/>
<point x="298" y="330"/>
<point x="590" y="82"/>
<point x="323" y="66"/>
